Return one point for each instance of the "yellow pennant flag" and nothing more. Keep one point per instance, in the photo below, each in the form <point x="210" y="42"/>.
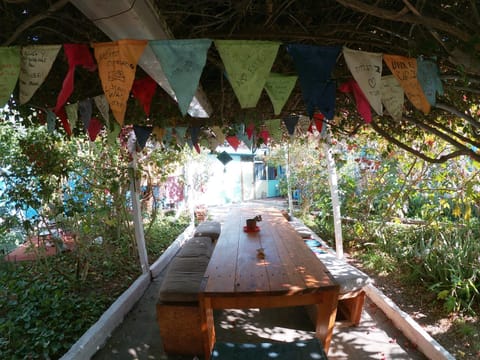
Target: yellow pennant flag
<point x="405" y="71"/>
<point x="117" y="62"/>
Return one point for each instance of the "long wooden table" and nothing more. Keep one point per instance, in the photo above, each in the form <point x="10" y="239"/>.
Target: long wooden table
<point x="289" y="275"/>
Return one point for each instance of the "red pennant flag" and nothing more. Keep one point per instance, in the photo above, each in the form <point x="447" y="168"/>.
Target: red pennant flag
<point x="265" y="136"/>
<point x="94" y="127"/>
<point x="318" y="118"/>
<point x="77" y="54"/>
<point x="197" y="147"/>
<point x="233" y="141"/>
<point x="62" y="114"/>
<point x="250" y="130"/>
<point x="143" y="90"/>
<point x="363" y="106"/>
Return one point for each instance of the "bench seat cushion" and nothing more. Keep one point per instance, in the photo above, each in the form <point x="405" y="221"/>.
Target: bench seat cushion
<point x="347" y="276"/>
<point x="297" y="350"/>
<point x="196" y="246"/>
<point x="208" y="228"/>
<point x="183" y="279"/>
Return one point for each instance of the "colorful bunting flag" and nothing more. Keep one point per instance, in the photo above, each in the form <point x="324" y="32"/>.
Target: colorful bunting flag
<point x="77" y="55"/>
<point x="114" y="133"/>
<point x="314" y="65"/>
<point x="247" y="64"/>
<point x="274" y="127"/>
<point x="143" y="90"/>
<point x="363" y="106"/>
<point x="94" y="128"/>
<point x="142" y="133"/>
<point x="51" y="120"/>
<point x="318" y="118"/>
<point x="180" y="133"/>
<point x="72" y="114"/>
<point x="264" y="135"/>
<point x="85" y="111"/>
<point x="217" y="130"/>
<point x="182" y="62"/>
<point x="36" y="62"/>
<point x="392" y="96"/>
<point x="248" y="142"/>
<point x="291" y="122"/>
<point x="62" y="114"/>
<point x="117" y="62"/>
<point x="102" y="106"/>
<point x="9" y="71"/>
<point x="233" y="141"/>
<point x="366" y="69"/>
<point x="429" y="78"/>
<point x="303" y="124"/>
<point x="159" y="133"/>
<point x="250" y="130"/>
<point x="279" y="87"/>
<point x="405" y="70"/>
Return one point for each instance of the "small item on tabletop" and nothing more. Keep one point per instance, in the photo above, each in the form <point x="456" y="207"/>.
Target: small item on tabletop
<point x="261" y="253"/>
<point x="251" y="224"/>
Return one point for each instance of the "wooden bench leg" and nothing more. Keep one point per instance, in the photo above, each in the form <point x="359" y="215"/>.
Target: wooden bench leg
<point x="351" y="307"/>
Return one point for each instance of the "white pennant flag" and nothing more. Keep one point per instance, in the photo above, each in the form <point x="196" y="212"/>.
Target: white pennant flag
<point x="36" y="62"/>
<point x="366" y="69"/>
<point x="392" y="96"/>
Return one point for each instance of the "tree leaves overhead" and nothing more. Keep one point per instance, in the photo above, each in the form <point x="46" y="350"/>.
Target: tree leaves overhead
<point x="446" y="30"/>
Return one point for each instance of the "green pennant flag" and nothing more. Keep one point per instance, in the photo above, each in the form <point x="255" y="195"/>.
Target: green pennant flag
<point x="9" y="71"/>
<point x="183" y="62"/>
<point x="113" y="134"/>
<point x="72" y="114"/>
<point x="274" y="127"/>
<point x="247" y="64"/>
<point x="279" y="87"/>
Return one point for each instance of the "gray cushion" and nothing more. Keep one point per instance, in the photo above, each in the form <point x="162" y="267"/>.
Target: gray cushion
<point x="183" y="278"/>
<point x="196" y="246"/>
<point x="208" y="228"/>
<point x="348" y="277"/>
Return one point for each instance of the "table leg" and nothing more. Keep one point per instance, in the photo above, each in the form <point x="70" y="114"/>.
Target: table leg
<point x="208" y="325"/>
<point x="325" y="317"/>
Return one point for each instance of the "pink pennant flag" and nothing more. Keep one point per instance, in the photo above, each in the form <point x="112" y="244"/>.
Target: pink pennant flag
<point x="77" y="55"/>
<point x="363" y="106"/>
<point x="143" y="90"/>
<point x="233" y="141"/>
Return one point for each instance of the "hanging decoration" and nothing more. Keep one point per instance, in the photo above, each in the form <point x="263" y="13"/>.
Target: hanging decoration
<point x="429" y="78"/>
<point x="72" y="114"/>
<point x="366" y="69"/>
<point x="36" y="62"/>
<point x="194" y="133"/>
<point x="142" y="133"/>
<point x="159" y="133"/>
<point x="217" y="130"/>
<point x="117" y="62"/>
<point x="405" y="70"/>
<point x="94" y="128"/>
<point x="9" y="71"/>
<point x="143" y="90"/>
<point x="112" y="136"/>
<point x="279" y="87"/>
<point x="318" y="119"/>
<point x="51" y="120"/>
<point x="274" y="127"/>
<point x="233" y="141"/>
<point x="247" y="64"/>
<point x="85" y="111"/>
<point x="77" y="55"/>
<point x="392" y="96"/>
<point x="314" y="65"/>
<point x="291" y="122"/>
<point x="224" y="158"/>
<point x="363" y="106"/>
<point x="62" y="114"/>
<point x="102" y="106"/>
<point x="182" y="62"/>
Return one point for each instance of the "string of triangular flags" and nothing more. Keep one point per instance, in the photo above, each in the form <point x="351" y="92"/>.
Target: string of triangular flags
<point x="248" y="66"/>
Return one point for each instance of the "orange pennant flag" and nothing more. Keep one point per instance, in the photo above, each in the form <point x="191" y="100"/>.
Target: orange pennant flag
<point x="117" y="62"/>
<point x="405" y="71"/>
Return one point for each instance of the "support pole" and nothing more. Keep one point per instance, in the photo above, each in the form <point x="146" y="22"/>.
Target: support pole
<point x="137" y="216"/>
<point x="287" y="175"/>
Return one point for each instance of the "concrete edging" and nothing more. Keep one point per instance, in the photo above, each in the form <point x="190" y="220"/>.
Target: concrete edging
<point x="96" y="336"/>
<point x="409" y="327"/>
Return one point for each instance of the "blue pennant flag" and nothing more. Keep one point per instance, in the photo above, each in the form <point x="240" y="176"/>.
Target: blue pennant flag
<point x="314" y="65"/>
<point x="142" y="133"/>
<point x="85" y="109"/>
<point x="183" y="62"/>
<point x="429" y="77"/>
<point x="290" y="122"/>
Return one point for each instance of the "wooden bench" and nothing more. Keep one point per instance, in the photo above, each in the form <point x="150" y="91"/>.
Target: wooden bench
<point x="351" y="280"/>
<point x="178" y="313"/>
<point x="301" y="350"/>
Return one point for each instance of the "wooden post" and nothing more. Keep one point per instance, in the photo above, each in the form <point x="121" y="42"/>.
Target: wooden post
<point x="137" y="216"/>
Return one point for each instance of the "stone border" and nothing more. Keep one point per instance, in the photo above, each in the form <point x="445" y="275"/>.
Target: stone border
<point x="96" y="336"/>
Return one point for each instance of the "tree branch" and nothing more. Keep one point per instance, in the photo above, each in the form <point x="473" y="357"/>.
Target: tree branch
<point x="34" y="19"/>
<point x="454" y="111"/>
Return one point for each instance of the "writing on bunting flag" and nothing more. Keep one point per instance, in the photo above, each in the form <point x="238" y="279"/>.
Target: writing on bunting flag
<point x="314" y="65"/>
<point x="392" y="96"/>
<point x="182" y="62"/>
<point x="366" y="69"/>
<point x="247" y="64"/>
<point x="405" y="71"/>
<point x="36" y="62"/>
<point x="429" y="78"/>
<point x="117" y="62"/>
<point x="9" y="71"/>
<point x="279" y="87"/>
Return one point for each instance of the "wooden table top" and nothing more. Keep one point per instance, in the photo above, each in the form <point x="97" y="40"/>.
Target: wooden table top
<point x="289" y="266"/>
